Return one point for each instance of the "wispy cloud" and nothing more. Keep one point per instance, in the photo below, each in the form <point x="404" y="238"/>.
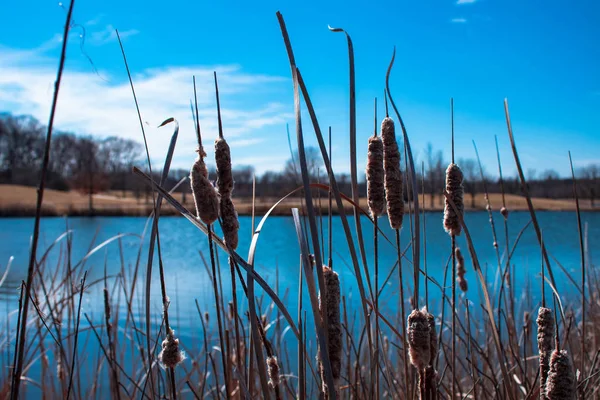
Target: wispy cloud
<point x="466" y="1"/>
<point x="108" y="35"/>
<point x="458" y="20"/>
<point x="89" y="104"/>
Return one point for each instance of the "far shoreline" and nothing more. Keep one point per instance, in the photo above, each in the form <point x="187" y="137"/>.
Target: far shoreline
<point x="20" y="201"/>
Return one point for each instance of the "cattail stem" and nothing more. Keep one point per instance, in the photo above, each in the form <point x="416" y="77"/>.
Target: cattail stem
<point x="376" y="264"/>
<point x="218" y="307"/>
<point x="453" y="244"/>
<point x="402" y="310"/>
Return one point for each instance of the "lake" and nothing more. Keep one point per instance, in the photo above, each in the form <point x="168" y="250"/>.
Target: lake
<point x="277" y="261"/>
<point x="278" y="250"/>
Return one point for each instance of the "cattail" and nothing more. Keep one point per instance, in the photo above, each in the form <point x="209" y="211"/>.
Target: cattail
<point x="394" y="191"/>
<point x="204" y="193"/>
<point x="206" y="316"/>
<point x="229" y="217"/>
<point x="229" y="222"/>
<point x="273" y="367"/>
<point x="223" y="161"/>
<point x="331" y="307"/>
<point x="430" y="373"/>
<point x="460" y="270"/>
<point x="454" y="187"/>
<point x="545" y="325"/>
<point x="561" y="383"/>
<point x="170" y="354"/>
<point x="504" y="212"/>
<point x="375" y="177"/>
<point x="419" y="347"/>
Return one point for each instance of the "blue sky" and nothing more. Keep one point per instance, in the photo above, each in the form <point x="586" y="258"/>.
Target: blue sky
<point x="542" y="55"/>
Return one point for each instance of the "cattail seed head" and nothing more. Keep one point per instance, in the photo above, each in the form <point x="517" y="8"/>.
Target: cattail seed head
<point x="454" y="187"/>
<point x="223" y="161"/>
<point x="375" y="177"/>
<point x="504" y="212"/>
<point x="561" y="383"/>
<point x="460" y="270"/>
<point x="273" y="367"/>
<point x="545" y="337"/>
<point x="330" y="306"/>
<point x="229" y="217"/>
<point x="229" y="222"/>
<point x="170" y="354"/>
<point x="394" y="191"/>
<point x="204" y="193"/>
<point x="419" y="339"/>
<point x="206" y="316"/>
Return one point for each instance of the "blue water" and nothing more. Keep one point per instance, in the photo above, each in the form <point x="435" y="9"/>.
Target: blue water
<point x="278" y="261"/>
<point x="277" y="249"/>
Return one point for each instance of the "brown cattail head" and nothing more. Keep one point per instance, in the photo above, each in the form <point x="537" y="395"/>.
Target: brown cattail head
<point x="561" y="383"/>
<point x="205" y="195"/>
<point x="419" y="339"/>
<point x="230" y="222"/>
<point x="170" y="354"/>
<point x="375" y="177"/>
<point x="394" y="191"/>
<point x="545" y="336"/>
<point x="454" y="187"/>
<point x="546" y="330"/>
<point x="330" y="306"/>
<point x="223" y="161"/>
<point x="273" y="367"/>
<point x="460" y="270"/>
<point x="504" y="212"/>
<point x="206" y="317"/>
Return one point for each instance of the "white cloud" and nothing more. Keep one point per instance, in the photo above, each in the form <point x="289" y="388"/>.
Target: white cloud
<point x="91" y="104"/>
<point x="466" y="1"/>
<point x="458" y="20"/>
<point x="108" y="35"/>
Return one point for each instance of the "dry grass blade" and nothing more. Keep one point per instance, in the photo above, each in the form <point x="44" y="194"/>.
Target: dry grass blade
<point x="20" y="342"/>
<point x="525" y="189"/>
<point x="76" y="334"/>
<point x="332" y="179"/>
<point x="582" y="251"/>
<point x="413" y="177"/>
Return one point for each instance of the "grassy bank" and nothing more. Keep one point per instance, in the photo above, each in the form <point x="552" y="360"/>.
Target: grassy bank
<point x="19" y="201"/>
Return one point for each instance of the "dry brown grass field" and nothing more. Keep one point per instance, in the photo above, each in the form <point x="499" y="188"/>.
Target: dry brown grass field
<point x="17" y="200"/>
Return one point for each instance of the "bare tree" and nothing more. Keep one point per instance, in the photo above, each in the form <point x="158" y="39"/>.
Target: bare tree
<point x="471" y="177"/>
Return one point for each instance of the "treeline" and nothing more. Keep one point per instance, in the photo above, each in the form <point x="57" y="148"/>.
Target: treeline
<point x="91" y="165"/>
